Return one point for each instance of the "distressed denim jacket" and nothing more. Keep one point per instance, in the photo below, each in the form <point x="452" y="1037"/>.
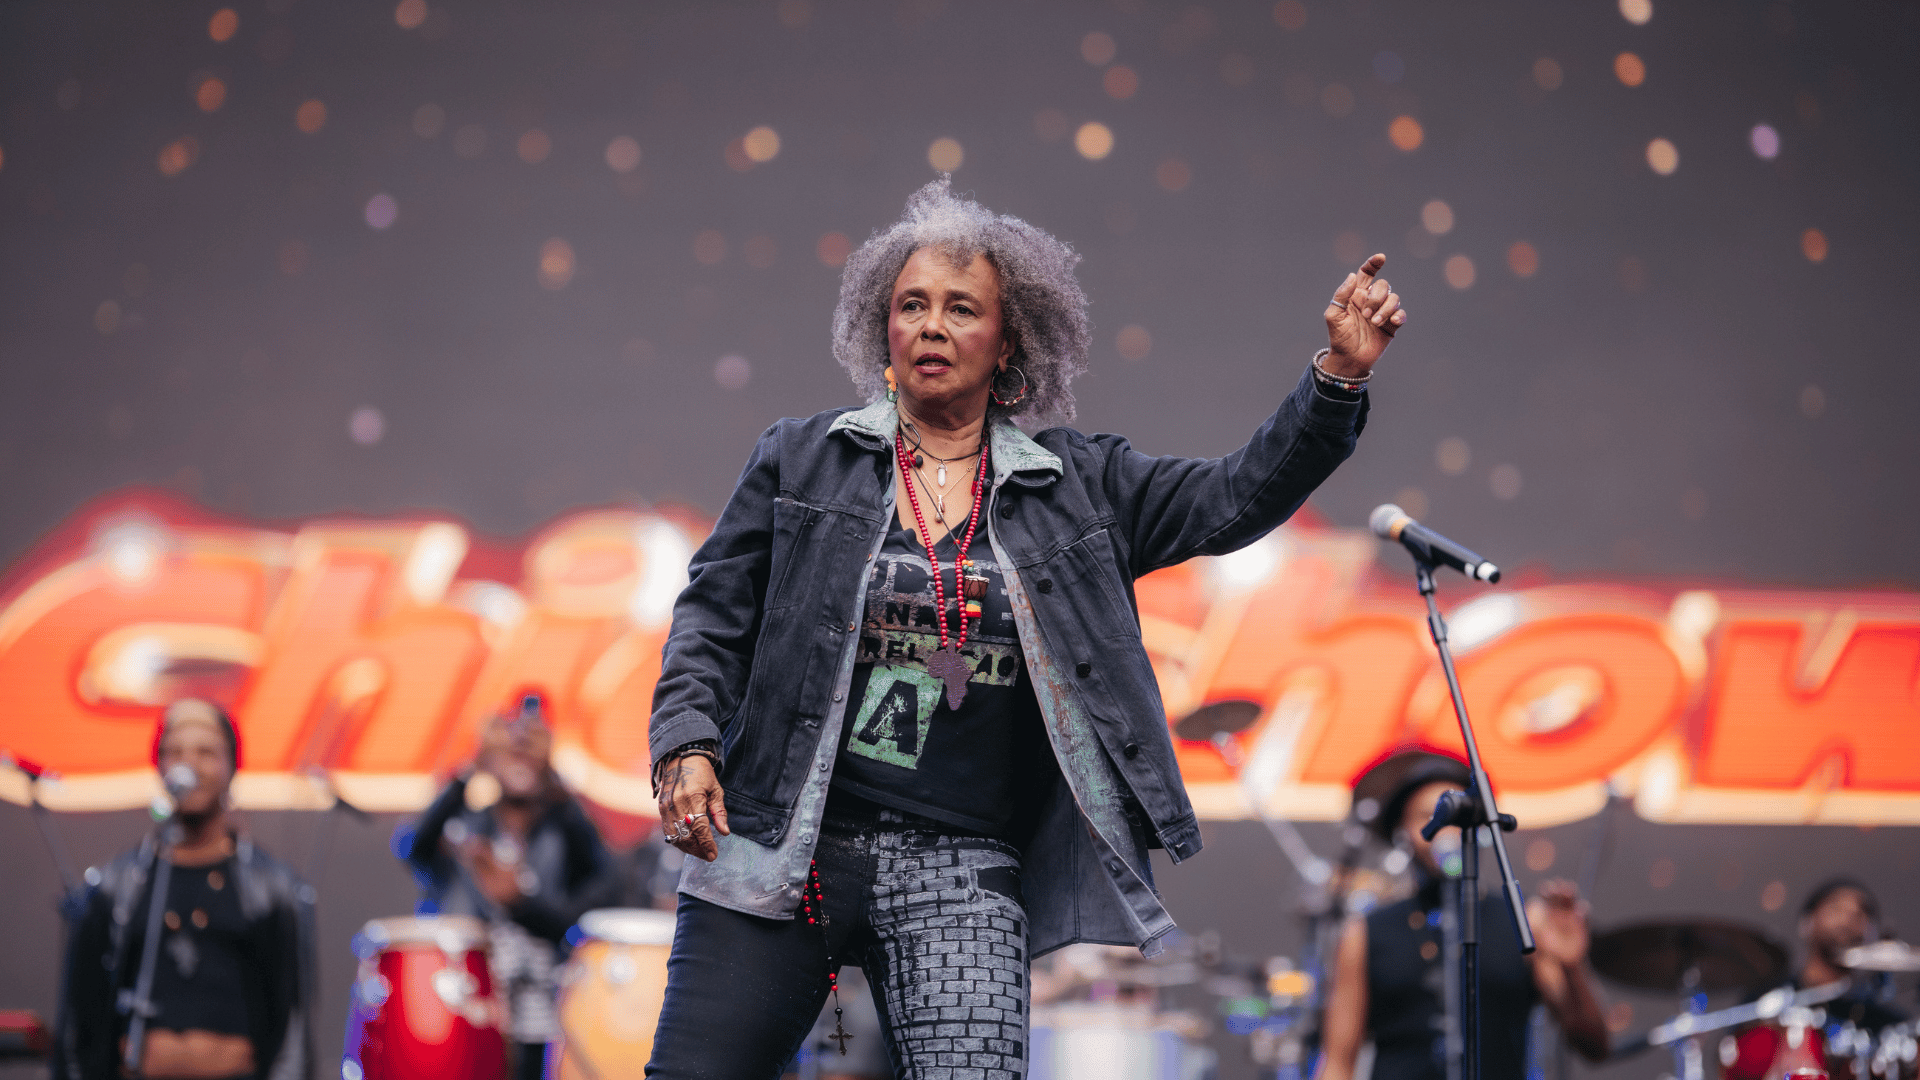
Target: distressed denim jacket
<point x="762" y="648"/>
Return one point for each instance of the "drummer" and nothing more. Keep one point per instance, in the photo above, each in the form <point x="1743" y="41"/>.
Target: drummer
<point x="1841" y="913"/>
<point x="1389" y="978"/>
<point x="529" y="864"/>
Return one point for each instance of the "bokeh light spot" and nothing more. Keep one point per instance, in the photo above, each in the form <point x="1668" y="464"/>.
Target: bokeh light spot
<point x="556" y="263"/>
<point x="795" y="14"/>
<point x="223" y="25"/>
<point x="429" y="121"/>
<point x="366" y="425"/>
<point x="382" y="211"/>
<point x="1547" y="74"/>
<point x="1412" y="500"/>
<point x="410" y="14"/>
<point x="1437" y="217"/>
<point x="1406" y="133"/>
<point x="1522" y="259"/>
<point x="1663" y="157"/>
<point x="1774" y="895"/>
<point x="1051" y="125"/>
<point x="1094" y="140"/>
<point x="292" y="258"/>
<point x="710" y="247"/>
<point x="1098" y="48"/>
<point x="1388" y="67"/>
<point x="311" y="116"/>
<point x="1629" y="69"/>
<point x="1452" y="455"/>
<point x="1765" y="141"/>
<point x="623" y="154"/>
<point x="1619" y="1016"/>
<point x="1173" y="174"/>
<point x="470" y="141"/>
<point x="1337" y="100"/>
<point x="1120" y="82"/>
<point x="732" y="372"/>
<point x="945" y="155"/>
<point x="760" y="251"/>
<point x="833" y="249"/>
<point x="1290" y="14"/>
<point x="1349" y="247"/>
<point x="1637" y="12"/>
<point x="1813" y="402"/>
<point x="1540" y="851"/>
<point x="762" y="145"/>
<point x="1133" y="342"/>
<point x="1459" y="271"/>
<point x="106" y="317"/>
<point x="178" y="154"/>
<point x="534" y="146"/>
<point x="1505" y="482"/>
<point x="210" y="95"/>
<point x="1813" y="244"/>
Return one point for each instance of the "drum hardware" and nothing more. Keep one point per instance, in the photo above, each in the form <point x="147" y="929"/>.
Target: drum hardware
<point x="611" y="991"/>
<point x="423" y="1002"/>
<point x="1688" y="956"/>
<point x="1889" y="956"/>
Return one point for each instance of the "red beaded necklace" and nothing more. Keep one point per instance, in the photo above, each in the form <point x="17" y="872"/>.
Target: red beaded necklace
<point x="946" y="663"/>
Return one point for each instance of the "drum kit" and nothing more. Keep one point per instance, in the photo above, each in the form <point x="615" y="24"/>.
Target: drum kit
<point x="1785" y="1033"/>
<point x="425" y="1003"/>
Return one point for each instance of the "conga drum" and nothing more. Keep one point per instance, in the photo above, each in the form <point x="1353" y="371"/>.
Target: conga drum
<point x="611" y="991"/>
<point x="423" y="1003"/>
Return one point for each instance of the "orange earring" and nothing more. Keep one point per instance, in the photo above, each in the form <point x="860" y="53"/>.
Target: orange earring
<point x="893" y="388"/>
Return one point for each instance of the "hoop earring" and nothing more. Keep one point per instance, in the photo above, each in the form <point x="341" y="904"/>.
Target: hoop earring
<point x="893" y="388"/>
<point x="1025" y="386"/>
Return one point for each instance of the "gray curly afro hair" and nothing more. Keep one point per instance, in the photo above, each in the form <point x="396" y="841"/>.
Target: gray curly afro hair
<point x="1040" y="300"/>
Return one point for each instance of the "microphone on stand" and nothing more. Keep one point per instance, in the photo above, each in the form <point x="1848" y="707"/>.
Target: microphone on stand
<point x="180" y="781"/>
<point x="1389" y="522"/>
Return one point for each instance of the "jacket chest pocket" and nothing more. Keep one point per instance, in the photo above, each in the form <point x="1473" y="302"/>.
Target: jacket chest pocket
<point x="1080" y="578"/>
<point x="794" y="524"/>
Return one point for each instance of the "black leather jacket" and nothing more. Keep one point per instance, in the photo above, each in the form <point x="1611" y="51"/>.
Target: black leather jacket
<point x="101" y="960"/>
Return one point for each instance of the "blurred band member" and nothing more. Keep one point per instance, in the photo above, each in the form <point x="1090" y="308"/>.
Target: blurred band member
<point x="1838" y="915"/>
<point x="231" y="977"/>
<point x="529" y="865"/>
<point x="1390" y="978"/>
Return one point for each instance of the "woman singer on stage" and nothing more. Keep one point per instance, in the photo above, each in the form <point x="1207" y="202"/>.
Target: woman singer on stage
<point x="905" y="718"/>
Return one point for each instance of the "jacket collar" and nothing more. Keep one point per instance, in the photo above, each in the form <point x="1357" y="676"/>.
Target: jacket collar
<point x="1013" y="451"/>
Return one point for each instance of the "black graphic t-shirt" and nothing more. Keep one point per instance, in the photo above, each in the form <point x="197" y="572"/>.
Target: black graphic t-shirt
<point x="901" y="745"/>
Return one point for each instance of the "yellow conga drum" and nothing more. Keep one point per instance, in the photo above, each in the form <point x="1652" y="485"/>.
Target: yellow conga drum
<point x="611" y="991"/>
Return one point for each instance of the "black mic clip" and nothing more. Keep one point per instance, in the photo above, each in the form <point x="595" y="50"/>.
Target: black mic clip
<point x="1462" y="809"/>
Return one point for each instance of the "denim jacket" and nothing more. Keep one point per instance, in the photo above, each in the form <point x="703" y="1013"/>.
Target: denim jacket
<point x="761" y="653"/>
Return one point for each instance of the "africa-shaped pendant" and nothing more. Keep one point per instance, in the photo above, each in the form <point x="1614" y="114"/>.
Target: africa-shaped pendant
<point x="951" y="668"/>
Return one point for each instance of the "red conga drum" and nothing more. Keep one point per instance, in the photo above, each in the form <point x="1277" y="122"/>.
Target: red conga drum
<point x="423" y="1003"/>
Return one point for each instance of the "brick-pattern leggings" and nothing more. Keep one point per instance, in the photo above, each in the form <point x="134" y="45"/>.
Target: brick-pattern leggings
<point x="934" y="918"/>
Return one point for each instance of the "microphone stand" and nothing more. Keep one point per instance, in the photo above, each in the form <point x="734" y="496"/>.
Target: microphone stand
<point x="140" y="1002"/>
<point x="1472" y="811"/>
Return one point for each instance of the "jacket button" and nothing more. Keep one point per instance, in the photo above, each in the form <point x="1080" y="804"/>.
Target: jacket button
<point x="1046" y="585"/>
<point x="1006" y="509"/>
<point x="1083" y="669"/>
<point x="1132" y="750"/>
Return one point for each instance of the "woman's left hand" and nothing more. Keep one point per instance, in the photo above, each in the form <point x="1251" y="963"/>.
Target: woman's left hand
<point x="1361" y="320"/>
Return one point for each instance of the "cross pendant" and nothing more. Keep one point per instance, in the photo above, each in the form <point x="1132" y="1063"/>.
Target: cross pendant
<point x="840" y="1035"/>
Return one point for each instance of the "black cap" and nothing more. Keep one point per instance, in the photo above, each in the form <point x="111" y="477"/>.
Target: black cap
<point x="1416" y="769"/>
<point x="1825" y="890"/>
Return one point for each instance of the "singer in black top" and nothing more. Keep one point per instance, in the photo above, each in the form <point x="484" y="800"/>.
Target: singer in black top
<point x="1390" y="982"/>
<point x="230" y="980"/>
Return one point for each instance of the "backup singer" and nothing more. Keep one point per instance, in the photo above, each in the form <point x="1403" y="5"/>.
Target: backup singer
<point x="905" y="718"/>
<point x="232" y="974"/>
<point x="1390" y="978"/>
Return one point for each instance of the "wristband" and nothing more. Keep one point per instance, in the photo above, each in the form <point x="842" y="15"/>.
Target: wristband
<point x="1338" y="382"/>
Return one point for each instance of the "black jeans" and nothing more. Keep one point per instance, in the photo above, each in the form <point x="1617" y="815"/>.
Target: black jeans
<point x="931" y="914"/>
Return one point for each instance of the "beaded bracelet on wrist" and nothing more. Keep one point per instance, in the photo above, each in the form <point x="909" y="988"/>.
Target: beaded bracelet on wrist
<point x="1338" y="382"/>
<point x="698" y="749"/>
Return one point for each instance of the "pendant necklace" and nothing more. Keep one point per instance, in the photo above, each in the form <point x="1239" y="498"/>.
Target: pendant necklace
<point x="946" y="663"/>
<point x="920" y="451"/>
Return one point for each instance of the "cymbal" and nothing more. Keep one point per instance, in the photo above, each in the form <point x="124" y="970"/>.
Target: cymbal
<point x="1882" y="956"/>
<point x="1228" y="717"/>
<point x="1686" y="955"/>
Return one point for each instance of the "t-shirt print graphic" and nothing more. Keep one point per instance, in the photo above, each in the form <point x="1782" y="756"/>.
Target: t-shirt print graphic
<point x="903" y="700"/>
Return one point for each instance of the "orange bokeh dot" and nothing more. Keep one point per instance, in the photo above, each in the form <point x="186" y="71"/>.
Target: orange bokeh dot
<point x="1406" y="133"/>
<point x="1173" y="174"/>
<point x="534" y="146"/>
<point x="210" y="95"/>
<point x="1120" y="82"/>
<point x="410" y="14"/>
<point x="1522" y="259"/>
<point x="833" y="249"/>
<point x="1629" y="69"/>
<point x="311" y="116"/>
<point x="1813" y="244"/>
<point x="223" y="24"/>
<point x="177" y="155"/>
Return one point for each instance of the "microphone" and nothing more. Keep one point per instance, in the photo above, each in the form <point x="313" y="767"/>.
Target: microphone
<point x="180" y="781"/>
<point x="1389" y="522"/>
